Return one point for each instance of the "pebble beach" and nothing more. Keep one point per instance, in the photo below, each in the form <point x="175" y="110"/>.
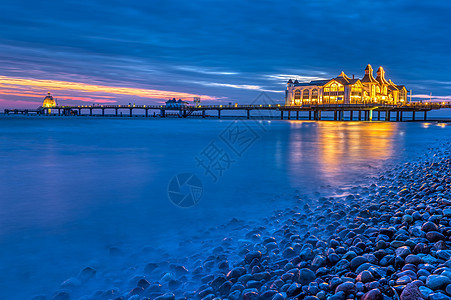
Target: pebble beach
<point x="390" y="239"/>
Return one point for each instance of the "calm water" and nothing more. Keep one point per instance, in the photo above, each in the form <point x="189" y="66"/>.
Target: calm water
<point x="71" y="188"/>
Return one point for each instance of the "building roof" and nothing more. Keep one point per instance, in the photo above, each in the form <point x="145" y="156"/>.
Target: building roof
<point x="381" y="76"/>
<point x="49" y="101"/>
<point x="345" y="80"/>
<point x="343" y="75"/>
<point x="368" y="78"/>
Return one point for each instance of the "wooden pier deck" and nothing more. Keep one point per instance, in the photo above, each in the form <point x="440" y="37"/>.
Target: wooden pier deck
<point x="354" y="111"/>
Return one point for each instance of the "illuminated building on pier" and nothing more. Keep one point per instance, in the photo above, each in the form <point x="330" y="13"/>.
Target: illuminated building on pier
<point x="346" y="90"/>
<point x="49" y="101"/>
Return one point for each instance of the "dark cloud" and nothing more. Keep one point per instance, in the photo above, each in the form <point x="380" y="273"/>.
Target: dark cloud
<point x="182" y="45"/>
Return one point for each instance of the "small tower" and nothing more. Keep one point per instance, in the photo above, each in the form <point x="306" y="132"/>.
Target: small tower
<point x="369" y="70"/>
<point x="381" y="76"/>
<point x="49" y="101"/>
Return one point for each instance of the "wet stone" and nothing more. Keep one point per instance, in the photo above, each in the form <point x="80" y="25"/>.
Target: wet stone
<point x="374" y="294"/>
<point x="365" y="276"/>
<point x="346" y="287"/>
<point x="434" y="236"/>
<point x="411" y="292"/>
<point x="436" y="282"/>
<point x="357" y="261"/>
<point x="403" y="251"/>
<point x="252" y="255"/>
<point x="306" y="276"/>
<point x="413" y="259"/>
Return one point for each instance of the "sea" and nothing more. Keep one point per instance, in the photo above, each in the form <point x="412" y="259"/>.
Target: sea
<point x="74" y="188"/>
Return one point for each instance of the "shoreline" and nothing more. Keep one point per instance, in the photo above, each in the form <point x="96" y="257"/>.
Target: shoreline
<point x="386" y="248"/>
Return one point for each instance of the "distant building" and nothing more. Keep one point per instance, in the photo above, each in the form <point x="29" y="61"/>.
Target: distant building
<point x="49" y="101"/>
<point x="176" y="103"/>
<point x="345" y="90"/>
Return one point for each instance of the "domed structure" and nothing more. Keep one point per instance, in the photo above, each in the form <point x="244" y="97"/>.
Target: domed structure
<point x="49" y="101"/>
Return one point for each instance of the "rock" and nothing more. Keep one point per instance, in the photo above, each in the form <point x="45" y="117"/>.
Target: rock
<point x="346" y="287"/>
<point x="235" y="295"/>
<point x="448" y="289"/>
<point x="397" y="244"/>
<point x="403" y="280"/>
<point x="438" y="296"/>
<point x="236" y="272"/>
<point x="224" y="289"/>
<point x="411" y="292"/>
<point x="413" y="259"/>
<point x="434" y="236"/>
<point x="279" y="296"/>
<point x="429" y="259"/>
<point x="251" y="255"/>
<point x="71" y="283"/>
<point x="407" y="219"/>
<point x="167" y="296"/>
<point x="425" y="291"/>
<point x="289" y="252"/>
<point x="306" y="276"/>
<point x="313" y="288"/>
<point x="87" y="274"/>
<point x="338" y="296"/>
<point x="402" y="251"/>
<point x="206" y="292"/>
<point x="436" y="282"/>
<point x="421" y="248"/>
<point x="443" y="254"/>
<point x="250" y="296"/>
<point x="294" y="289"/>
<point x="357" y="261"/>
<point x="374" y="294"/>
<point x="143" y="283"/>
<point x="365" y="276"/>
<point x="429" y="226"/>
<point x="319" y="261"/>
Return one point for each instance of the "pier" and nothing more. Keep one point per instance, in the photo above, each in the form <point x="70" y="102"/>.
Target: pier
<point x="341" y="112"/>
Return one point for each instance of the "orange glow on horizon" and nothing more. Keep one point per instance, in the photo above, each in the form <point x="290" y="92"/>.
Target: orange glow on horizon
<point x="35" y="88"/>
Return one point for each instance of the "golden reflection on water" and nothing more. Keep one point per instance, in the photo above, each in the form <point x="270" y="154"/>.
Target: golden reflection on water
<point x="333" y="149"/>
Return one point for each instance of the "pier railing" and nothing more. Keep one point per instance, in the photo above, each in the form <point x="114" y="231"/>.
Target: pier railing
<point x="189" y="111"/>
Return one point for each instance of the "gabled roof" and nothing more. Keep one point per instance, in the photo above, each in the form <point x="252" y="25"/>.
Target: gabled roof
<point x="343" y="75"/>
<point x="368" y="78"/>
<point x="381" y="76"/>
<point x="392" y="85"/>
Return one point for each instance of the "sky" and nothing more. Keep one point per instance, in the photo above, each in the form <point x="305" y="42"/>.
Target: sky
<point x="145" y="52"/>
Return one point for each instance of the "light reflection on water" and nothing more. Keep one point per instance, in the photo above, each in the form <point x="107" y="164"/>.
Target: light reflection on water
<point x="71" y="187"/>
<point x="332" y="150"/>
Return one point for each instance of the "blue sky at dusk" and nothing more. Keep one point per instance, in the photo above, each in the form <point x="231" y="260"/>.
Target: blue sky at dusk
<point x="226" y="51"/>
